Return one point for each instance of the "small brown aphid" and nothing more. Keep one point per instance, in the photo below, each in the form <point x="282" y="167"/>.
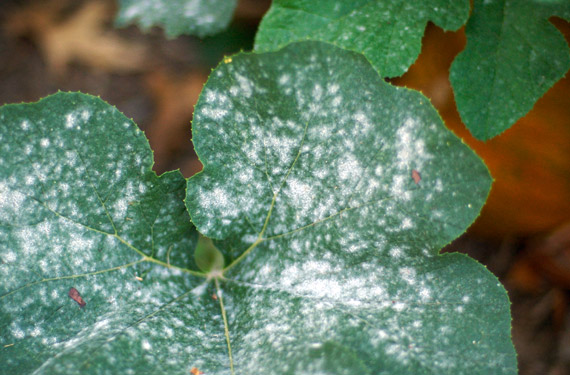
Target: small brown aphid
<point x="416" y="176"/>
<point x="214" y="296"/>
<point x="195" y="371"/>
<point x="74" y="294"/>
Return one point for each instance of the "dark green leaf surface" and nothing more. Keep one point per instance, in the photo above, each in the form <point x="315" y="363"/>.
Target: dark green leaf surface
<point x="513" y="56"/>
<point x="387" y="32"/>
<point x="81" y="208"/>
<point x="195" y="17"/>
<point x="331" y="245"/>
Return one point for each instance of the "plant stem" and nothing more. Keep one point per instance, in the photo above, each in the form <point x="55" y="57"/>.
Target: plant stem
<point x="226" y="327"/>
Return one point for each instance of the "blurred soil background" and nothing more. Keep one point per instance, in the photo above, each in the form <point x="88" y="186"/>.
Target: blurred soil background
<point x="522" y="235"/>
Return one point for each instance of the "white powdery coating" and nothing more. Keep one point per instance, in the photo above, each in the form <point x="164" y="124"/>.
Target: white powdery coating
<point x="333" y="89"/>
<point x="407" y="223"/>
<point x="317" y="92"/>
<point x="219" y="206"/>
<point x="120" y="208"/>
<point x="411" y="154"/>
<point x="342" y="186"/>
<point x="411" y="150"/>
<point x="214" y="113"/>
<point x="245" y="175"/>
<point x="332" y="292"/>
<point x="192" y="8"/>
<point x="300" y="193"/>
<point x="283" y="147"/>
<point x="146" y="345"/>
<point x="75" y="245"/>
<point x="245" y="84"/>
<point x="149" y="12"/>
<point x="17" y="332"/>
<point x="408" y="274"/>
<point x="85" y="115"/>
<point x="349" y="168"/>
<point x="10" y="202"/>
<point x="217" y="197"/>
<point x="254" y="149"/>
<point x="398" y="187"/>
<point x="139" y="9"/>
<point x="363" y="121"/>
<point x="284" y="79"/>
<point x="379" y="170"/>
<point x="322" y="279"/>
<point x="198" y="12"/>
<point x="9" y="257"/>
<point x="69" y="120"/>
<point x="336" y="101"/>
<point x="396" y="252"/>
<point x="425" y="294"/>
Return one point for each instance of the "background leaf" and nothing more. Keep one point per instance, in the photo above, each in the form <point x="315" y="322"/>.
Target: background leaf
<point x="196" y="17"/>
<point x="388" y="33"/>
<point x="513" y="56"/>
<point x="81" y="208"/>
<point x="332" y="246"/>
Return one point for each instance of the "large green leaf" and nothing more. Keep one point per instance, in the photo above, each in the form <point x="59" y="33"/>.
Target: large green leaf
<point x="330" y="193"/>
<point x="513" y="56"/>
<point x="196" y="17"/>
<point x="81" y="208"/>
<point x="387" y="32"/>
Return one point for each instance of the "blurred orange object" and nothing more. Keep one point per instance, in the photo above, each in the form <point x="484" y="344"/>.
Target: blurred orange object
<point x="530" y="162"/>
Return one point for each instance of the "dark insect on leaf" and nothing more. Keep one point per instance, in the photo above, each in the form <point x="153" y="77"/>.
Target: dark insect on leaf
<point x="74" y="294"/>
<point x="416" y="176"/>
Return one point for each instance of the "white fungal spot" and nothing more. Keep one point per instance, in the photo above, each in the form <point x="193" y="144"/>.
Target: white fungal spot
<point x="300" y="193"/>
<point x="284" y="79"/>
<point x="145" y="344"/>
<point x="407" y="223"/>
<point x="408" y="274"/>
<point x="333" y="89"/>
<point x="245" y="84"/>
<point x="349" y="168"/>
<point x="69" y="120"/>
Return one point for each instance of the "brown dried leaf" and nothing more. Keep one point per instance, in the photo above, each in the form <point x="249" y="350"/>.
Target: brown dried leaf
<point x="81" y="37"/>
<point x="174" y="97"/>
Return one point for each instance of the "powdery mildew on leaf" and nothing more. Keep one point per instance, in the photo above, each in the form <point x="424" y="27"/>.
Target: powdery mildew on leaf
<point x="81" y="208"/>
<point x="388" y="33"/>
<point x="340" y="275"/>
<point x="290" y="141"/>
<point x="308" y="185"/>
<point x="404" y="318"/>
<point x="513" y="56"/>
<point x="196" y="17"/>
